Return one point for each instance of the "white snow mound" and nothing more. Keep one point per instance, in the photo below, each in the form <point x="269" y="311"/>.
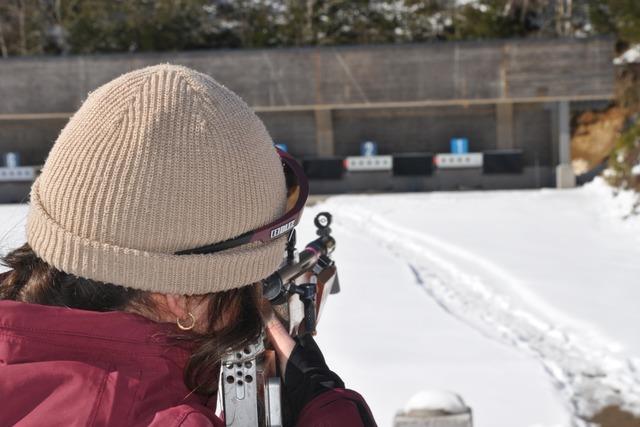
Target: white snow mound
<point x="436" y="400"/>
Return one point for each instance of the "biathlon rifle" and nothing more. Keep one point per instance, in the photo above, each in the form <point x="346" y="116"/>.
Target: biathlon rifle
<point x="251" y="387"/>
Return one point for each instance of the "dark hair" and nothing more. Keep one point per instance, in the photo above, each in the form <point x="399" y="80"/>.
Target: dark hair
<point x="33" y="280"/>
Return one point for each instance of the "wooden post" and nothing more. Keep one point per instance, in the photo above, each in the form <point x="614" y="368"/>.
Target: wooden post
<point x="564" y="130"/>
<point x="324" y="132"/>
<point x="504" y="125"/>
<point x="565" y="177"/>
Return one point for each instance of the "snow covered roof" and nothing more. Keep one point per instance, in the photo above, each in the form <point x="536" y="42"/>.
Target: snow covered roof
<point x="630" y="56"/>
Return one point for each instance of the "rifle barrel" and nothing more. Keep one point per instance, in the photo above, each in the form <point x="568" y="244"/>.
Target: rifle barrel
<point x="274" y="285"/>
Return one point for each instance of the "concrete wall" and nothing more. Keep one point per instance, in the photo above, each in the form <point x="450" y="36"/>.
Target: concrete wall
<point x="499" y="94"/>
<point x="297" y="129"/>
<point x="335" y="75"/>
<point x="32" y="138"/>
<point x="533" y="133"/>
<point x="422" y="129"/>
<point x="414" y="129"/>
<point x="447" y="180"/>
<point x="395" y="130"/>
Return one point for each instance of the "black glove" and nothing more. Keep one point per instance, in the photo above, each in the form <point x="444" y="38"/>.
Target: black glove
<point x="306" y="376"/>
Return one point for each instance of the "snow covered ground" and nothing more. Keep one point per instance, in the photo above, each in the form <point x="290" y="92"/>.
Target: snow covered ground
<point x="523" y="302"/>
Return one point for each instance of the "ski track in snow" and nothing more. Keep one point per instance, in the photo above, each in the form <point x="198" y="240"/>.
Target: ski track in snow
<point x="584" y="368"/>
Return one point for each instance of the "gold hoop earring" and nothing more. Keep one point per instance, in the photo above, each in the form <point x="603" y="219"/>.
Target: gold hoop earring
<point x="189" y="327"/>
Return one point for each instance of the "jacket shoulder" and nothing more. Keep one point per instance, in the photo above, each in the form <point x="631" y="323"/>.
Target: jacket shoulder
<point x="186" y="416"/>
<point x="339" y="408"/>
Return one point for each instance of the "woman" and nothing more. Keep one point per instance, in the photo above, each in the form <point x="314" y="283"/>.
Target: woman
<point x="102" y="321"/>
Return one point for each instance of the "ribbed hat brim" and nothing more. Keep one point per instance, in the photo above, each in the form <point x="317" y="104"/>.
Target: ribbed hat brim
<point x="156" y="272"/>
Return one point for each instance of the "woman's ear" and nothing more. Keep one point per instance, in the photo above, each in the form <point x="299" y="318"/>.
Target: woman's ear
<point x="182" y="308"/>
<point x="177" y="305"/>
<point x="168" y="307"/>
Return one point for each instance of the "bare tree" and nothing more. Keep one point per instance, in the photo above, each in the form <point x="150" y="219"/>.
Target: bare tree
<point x="3" y="44"/>
<point x="523" y="10"/>
<point x="56" y="12"/>
<point x="310" y="35"/>
<point x="564" y="17"/>
<point x="22" y="30"/>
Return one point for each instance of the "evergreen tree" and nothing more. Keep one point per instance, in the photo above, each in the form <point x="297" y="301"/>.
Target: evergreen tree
<point x="620" y="17"/>
<point x="21" y="29"/>
<point x="87" y="26"/>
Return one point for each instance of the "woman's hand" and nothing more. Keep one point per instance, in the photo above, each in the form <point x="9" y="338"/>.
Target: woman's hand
<point x="276" y="331"/>
<point x="302" y="365"/>
<point x="277" y="334"/>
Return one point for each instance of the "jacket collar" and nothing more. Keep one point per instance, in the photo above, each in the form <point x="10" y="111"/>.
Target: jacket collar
<point x="115" y="336"/>
<point x="114" y="331"/>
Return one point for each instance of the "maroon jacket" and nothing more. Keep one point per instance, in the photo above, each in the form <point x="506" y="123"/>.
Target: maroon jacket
<point x="68" y="367"/>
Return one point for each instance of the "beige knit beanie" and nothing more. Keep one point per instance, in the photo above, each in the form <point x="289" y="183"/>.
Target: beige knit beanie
<point x="159" y="160"/>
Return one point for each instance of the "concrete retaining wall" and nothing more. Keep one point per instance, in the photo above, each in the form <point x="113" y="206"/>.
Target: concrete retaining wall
<point x="323" y="101"/>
